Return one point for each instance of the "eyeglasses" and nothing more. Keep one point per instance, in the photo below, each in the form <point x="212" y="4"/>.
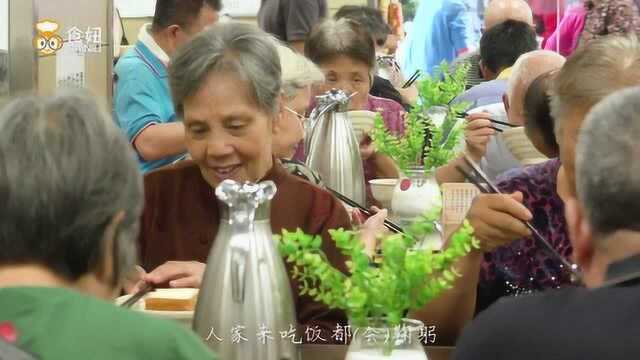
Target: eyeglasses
<point x="300" y="117"/>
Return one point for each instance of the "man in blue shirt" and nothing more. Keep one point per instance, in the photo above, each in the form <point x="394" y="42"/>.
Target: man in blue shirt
<point x="442" y="30"/>
<point x="142" y="99"/>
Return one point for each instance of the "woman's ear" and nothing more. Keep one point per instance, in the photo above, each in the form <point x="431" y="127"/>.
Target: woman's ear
<point x="101" y="281"/>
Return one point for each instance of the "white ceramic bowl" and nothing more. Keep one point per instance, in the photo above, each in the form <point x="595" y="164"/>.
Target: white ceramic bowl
<point x="183" y="317"/>
<point x="382" y="190"/>
<point x="521" y="147"/>
<point x="363" y="122"/>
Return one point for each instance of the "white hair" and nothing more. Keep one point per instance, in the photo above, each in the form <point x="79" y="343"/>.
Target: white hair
<point x="607" y="163"/>
<point x="298" y="72"/>
<point x="594" y="71"/>
<point x="526" y="69"/>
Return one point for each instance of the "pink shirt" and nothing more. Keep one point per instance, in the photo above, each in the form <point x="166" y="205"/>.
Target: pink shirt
<point x="569" y="31"/>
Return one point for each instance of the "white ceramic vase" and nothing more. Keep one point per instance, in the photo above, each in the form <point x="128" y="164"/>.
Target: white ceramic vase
<point x="415" y="194"/>
<point x="380" y="342"/>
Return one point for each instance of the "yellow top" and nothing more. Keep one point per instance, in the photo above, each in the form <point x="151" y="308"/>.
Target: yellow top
<point x="505" y="74"/>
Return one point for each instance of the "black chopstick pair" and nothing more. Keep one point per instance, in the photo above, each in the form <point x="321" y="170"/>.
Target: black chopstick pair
<point x="465" y="114"/>
<point x="478" y="178"/>
<point x="144" y="290"/>
<point x="389" y="225"/>
<point x="412" y="79"/>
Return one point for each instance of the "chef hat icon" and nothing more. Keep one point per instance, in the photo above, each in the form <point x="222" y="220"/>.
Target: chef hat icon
<point x="47" y="41"/>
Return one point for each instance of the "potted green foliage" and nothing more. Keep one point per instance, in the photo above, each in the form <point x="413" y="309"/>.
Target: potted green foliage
<point x="378" y="297"/>
<point x="432" y="134"/>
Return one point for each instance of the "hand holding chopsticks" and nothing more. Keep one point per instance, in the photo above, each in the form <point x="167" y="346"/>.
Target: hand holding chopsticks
<point x="388" y="224"/>
<point x="476" y="176"/>
<point x="497" y="122"/>
<point x="144" y="290"/>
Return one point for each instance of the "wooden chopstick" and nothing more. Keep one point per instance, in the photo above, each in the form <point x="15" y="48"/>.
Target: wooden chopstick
<point x="146" y="288"/>
<point x="479" y="179"/>
<point x="388" y="224"/>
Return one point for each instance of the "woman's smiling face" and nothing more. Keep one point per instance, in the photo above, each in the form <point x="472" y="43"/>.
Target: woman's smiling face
<point x="227" y="134"/>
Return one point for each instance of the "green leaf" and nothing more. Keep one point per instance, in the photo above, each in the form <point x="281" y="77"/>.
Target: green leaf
<point x="317" y="241"/>
<point x="407" y="149"/>
<point x="406" y="280"/>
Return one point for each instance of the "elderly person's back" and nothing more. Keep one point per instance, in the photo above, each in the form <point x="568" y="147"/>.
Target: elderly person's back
<point x="71" y="199"/>
<point x="601" y="322"/>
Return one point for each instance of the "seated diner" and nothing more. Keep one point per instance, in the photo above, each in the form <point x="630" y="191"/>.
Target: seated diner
<point x="345" y="53"/>
<point x="601" y="319"/>
<point x="299" y="74"/>
<point x="226" y="86"/>
<point x="589" y="75"/>
<point x="70" y="220"/>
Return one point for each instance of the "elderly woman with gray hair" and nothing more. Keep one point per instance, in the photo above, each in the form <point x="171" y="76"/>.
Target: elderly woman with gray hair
<point x="227" y="88"/>
<point x="71" y="198"/>
<point x="346" y="54"/>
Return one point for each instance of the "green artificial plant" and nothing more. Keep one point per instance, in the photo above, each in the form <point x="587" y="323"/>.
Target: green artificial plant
<point x="409" y="278"/>
<point x="414" y="149"/>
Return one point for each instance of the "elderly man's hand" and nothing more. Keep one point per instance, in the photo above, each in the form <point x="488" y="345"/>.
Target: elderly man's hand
<point x="497" y="219"/>
<point x="477" y="134"/>
<point x="179" y="274"/>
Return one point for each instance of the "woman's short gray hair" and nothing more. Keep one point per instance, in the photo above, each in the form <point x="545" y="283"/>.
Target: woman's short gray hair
<point x="228" y="47"/>
<point x="592" y="72"/>
<point x="298" y="72"/>
<point x="65" y="172"/>
<point x="342" y="37"/>
<point x="607" y="164"/>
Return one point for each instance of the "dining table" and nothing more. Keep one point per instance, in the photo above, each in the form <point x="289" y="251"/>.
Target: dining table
<point x="339" y="352"/>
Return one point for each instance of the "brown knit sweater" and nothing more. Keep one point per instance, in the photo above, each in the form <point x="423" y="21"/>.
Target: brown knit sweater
<point x="181" y="218"/>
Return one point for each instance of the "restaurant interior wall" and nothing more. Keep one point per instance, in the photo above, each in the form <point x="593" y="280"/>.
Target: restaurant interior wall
<point x="98" y="66"/>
